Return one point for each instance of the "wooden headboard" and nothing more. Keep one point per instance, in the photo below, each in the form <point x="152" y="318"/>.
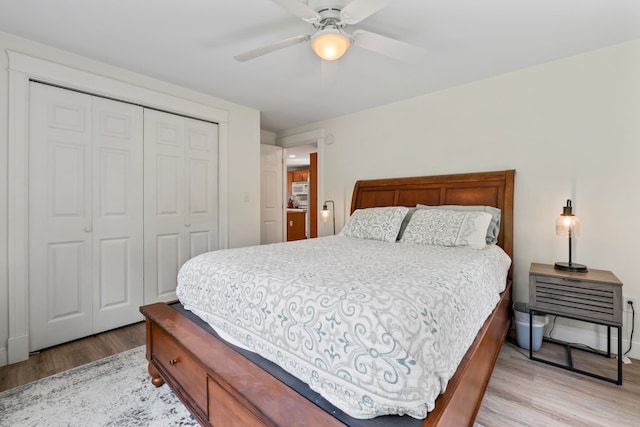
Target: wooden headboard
<point x="481" y="188"/>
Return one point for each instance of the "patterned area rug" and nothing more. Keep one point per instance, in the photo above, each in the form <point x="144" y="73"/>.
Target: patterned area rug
<point x="115" y="391"/>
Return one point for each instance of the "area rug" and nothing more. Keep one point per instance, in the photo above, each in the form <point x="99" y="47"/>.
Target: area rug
<point x="115" y="391"/>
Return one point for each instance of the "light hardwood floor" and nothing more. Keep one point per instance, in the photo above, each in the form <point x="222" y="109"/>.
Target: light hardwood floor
<point x="521" y="392"/>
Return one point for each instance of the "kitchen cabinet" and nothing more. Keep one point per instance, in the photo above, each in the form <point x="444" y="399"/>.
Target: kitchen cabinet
<point x="296" y="225"/>
<point x="301" y="175"/>
<point x="290" y="181"/>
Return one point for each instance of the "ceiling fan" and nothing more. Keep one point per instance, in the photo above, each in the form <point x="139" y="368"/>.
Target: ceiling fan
<point x="330" y="40"/>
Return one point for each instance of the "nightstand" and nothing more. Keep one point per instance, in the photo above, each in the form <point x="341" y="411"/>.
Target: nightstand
<point x="594" y="297"/>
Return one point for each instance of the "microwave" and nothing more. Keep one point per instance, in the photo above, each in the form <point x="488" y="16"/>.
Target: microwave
<point x="299" y="188"/>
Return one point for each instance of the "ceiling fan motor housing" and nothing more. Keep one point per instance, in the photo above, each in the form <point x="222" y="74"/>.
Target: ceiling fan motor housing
<point x="328" y="6"/>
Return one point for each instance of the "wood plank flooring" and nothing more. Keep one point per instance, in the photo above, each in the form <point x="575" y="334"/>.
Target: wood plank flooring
<point x="521" y="392"/>
<point x="69" y="355"/>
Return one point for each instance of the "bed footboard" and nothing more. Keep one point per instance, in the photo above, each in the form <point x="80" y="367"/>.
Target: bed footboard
<point x="217" y="383"/>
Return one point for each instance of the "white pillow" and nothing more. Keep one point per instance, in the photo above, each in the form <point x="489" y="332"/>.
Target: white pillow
<point x="442" y="227"/>
<point x="494" y="226"/>
<point x="375" y="223"/>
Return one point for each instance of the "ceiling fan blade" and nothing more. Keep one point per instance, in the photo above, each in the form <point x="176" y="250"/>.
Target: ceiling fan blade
<point x="387" y="46"/>
<point x="254" y="53"/>
<point x="329" y="73"/>
<point x="301" y="10"/>
<point x="358" y="10"/>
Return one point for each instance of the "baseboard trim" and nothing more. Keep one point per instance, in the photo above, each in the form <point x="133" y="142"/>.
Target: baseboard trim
<point x="4" y="358"/>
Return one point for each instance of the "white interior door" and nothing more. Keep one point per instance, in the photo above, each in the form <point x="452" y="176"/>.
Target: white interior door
<point x="180" y="197"/>
<point x="164" y="248"/>
<point x="271" y="199"/>
<point x="201" y="187"/>
<point x="117" y="213"/>
<point x="85" y="215"/>
<point x="60" y="219"/>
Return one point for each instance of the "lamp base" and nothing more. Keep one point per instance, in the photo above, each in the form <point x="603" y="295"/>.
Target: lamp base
<point x="565" y="266"/>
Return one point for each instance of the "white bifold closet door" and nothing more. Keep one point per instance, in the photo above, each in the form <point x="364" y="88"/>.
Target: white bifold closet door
<point x="180" y="197"/>
<point x="85" y="215"/>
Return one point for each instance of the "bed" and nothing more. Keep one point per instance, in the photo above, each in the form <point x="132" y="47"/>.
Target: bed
<point x="224" y="385"/>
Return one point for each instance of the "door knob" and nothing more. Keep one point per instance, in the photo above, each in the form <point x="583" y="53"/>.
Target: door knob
<point x="87" y="229"/>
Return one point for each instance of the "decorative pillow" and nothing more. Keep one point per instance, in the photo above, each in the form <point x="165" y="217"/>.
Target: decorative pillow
<point x="375" y="223"/>
<point x="442" y="227"/>
<point x="494" y="225"/>
<point x="405" y="222"/>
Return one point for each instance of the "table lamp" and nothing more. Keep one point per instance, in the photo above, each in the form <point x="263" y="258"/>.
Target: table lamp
<point x="568" y="224"/>
<point x="326" y="214"/>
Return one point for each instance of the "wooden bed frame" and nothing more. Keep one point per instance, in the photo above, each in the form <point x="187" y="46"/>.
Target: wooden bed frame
<point x="223" y="388"/>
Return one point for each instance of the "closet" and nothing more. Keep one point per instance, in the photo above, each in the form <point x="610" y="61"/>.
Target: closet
<point x="180" y="197"/>
<point x="119" y="197"/>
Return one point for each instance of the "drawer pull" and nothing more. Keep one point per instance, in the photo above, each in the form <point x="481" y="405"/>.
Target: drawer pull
<point x="173" y="362"/>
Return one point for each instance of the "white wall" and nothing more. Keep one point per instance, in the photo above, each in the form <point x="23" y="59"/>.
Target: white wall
<point x="570" y="128"/>
<point x="243" y="166"/>
<point x="267" y="138"/>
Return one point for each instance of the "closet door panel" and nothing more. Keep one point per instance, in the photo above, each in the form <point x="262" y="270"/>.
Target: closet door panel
<point x="165" y="244"/>
<point x="65" y="278"/>
<point x="169" y="252"/>
<point x="199" y="242"/>
<point x="181" y="197"/>
<point x="60" y="249"/>
<point x="118" y="213"/>
<point x="114" y="281"/>
<point x="168" y="189"/>
<point x="201" y="186"/>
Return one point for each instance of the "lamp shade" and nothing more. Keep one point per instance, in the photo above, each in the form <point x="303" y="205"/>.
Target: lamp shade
<point x="567" y="224"/>
<point x="330" y="44"/>
<point x="325" y="214"/>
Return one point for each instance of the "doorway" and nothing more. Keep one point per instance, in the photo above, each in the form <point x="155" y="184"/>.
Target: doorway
<point x="300" y="163"/>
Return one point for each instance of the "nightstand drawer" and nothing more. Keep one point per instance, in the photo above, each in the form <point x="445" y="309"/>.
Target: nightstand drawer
<point x="584" y="296"/>
<point x="574" y="298"/>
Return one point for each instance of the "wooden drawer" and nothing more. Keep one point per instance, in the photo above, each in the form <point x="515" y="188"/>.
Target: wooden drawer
<point x="227" y="411"/>
<point x="177" y="363"/>
<point x="577" y="297"/>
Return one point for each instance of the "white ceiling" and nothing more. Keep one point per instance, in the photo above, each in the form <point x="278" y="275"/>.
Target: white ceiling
<point x="300" y="155"/>
<point x="192" y="43"/>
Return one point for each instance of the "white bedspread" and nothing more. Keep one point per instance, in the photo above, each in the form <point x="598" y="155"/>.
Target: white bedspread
<point x="376" y="328"/>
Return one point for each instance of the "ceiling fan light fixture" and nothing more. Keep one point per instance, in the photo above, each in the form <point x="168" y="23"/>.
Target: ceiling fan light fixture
<point x="330" y="44"/>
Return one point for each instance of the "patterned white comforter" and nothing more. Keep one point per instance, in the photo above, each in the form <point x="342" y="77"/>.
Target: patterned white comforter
<point x="376" y="328"/>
